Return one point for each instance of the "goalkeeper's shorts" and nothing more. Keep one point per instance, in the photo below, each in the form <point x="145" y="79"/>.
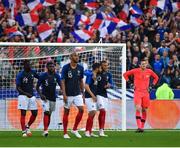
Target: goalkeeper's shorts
<point x="141" y="99"/>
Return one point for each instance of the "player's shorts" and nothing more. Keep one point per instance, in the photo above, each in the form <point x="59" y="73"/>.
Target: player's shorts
<point x="76" y="100"/>
<point x="48" y="106"/>
<point x="142" y="99"/>
<point x="102" y="102"/>
<point x="25" y="103"/>
<point x="91" y="105"/>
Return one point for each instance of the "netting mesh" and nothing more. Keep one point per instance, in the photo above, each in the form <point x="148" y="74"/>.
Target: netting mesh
<point x="11" y="63"/>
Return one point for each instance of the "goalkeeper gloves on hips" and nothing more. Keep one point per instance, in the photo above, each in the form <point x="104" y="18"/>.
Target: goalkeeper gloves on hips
<point x="130" y="84"/>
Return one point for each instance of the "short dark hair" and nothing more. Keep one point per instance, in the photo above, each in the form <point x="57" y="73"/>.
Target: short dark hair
<point x="102" y="62"/>
<point x="95" y="65"/>
<point x="49" y="63"/>
<point x="143" y="60"/>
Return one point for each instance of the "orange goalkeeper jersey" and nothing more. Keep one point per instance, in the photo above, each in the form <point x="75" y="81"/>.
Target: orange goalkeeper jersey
<point x="141" y="78"/>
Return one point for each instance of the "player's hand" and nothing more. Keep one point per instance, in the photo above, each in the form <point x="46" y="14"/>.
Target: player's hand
<point x="65" y="99"/>
<point x="94" y="99"/>
<point x="43" y="97"/>
<point x="130" y="84"/>
<point x="29" y="95"/>
<point x="150" y="87"/>
<point x="107" y="86"/>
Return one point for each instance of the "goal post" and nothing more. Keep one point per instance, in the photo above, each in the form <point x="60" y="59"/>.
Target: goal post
<point x="12" y="55"/>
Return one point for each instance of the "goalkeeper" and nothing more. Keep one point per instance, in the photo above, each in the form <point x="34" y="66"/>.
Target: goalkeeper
<point x="142" y="77"/>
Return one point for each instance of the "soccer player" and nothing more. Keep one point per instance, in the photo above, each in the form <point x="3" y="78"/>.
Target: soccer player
<point x="104" y="82"/>
<point x="26" y="98"/>
<point x="142" y="86"/>
<point x="48" y="81"/>
<point x="72" y="87"/>
<point x="90" y="97"/>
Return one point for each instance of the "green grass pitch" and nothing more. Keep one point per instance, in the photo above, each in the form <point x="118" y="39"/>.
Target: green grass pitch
<point x="114" y="139"/>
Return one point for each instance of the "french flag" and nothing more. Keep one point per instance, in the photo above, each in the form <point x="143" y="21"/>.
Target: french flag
<point x="158" y="3"/>
<point x="44" y="30"/>
<point x="91" y="4"/>
<point x="136" y="21"/>
<point x="60" y="37"/>
<point x="124" y="13"/>
<point x="35" y="5"/>
<point x="12" y="3"/>
<point x="82" y="35"/>
<point x="1" y="11"/>
<point x="135" y="10"/>
<point x="123" y="26"/>
<point x="27" y="19"/>
<point x="49" y="2"/>
<point x="99" y="21"/>
<point x="107" y="28"/>
<point x="175" y="6"/>
<point x="10" y="30"/>
<point x="81" y="19"/>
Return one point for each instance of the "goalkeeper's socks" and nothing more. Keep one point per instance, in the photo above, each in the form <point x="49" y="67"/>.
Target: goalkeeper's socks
<point x="23" y="123"/>
<point x="46" y="122"/>
<point x="65" y="123"/>
<point x="143" y="119"/>
<point x="77" y="120"/>
<point x="31" y="120"/>
<point x="101" y="118"/>
<point x="138" y="119"/>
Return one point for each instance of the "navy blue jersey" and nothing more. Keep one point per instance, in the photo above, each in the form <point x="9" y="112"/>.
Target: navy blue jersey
<point x="92" y="85"/>
<point x="25" y="81"/>
<point x="103" y="79"/>
<point x="48" y="83"/>
<point x="72" y="79"/>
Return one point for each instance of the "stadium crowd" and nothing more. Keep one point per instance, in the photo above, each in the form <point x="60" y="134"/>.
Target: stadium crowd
<point x="156" y="37"/>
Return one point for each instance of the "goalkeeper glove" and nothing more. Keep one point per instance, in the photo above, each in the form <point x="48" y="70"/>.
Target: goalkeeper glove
<point x="130" y="84"/>
<point x="151" y="87"/>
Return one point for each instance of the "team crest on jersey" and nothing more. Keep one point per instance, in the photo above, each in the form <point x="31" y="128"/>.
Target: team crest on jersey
<point x="69" y="74"/>
<point x="25" y="80"/>
<point x="46" y="83"/>
<point x="99" y="78"/>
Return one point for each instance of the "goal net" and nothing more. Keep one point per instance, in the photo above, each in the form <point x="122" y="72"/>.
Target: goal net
<point x="12" y="56"/>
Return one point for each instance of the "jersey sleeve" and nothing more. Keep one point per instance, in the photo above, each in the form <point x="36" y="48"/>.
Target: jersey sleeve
<point x="154" y="76"/>
<point x="58" y="79"/>
<point x="128" y="73"/>
<point x="18" y="79"/>
<point x="82" y="72"/>
<point x="40" y="80"/>
<point x="89" y="79"/>
<point x="36" y="75"/>
<point x="64" y="72"/>
<point x="111" y="80"/>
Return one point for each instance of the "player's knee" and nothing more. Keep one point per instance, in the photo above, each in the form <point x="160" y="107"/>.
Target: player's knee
<point x="34" y="112"/>
<point x="66" y="111"/>
<point x="92" y="113"/>
<point x="47" y="113"/>
<point x="144" y="109"/>
<point x="81" y="109"/>
<point x="23" y="112"/>
<point x="138" y="108"/>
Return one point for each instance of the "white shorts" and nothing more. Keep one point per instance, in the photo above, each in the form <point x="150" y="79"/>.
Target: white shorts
<point x="48" y="106"/>
<point x="26" y="103"/>
<point x="91" y="105"/>
<point x="76" y="100"/>
<point x="102" y="102"/>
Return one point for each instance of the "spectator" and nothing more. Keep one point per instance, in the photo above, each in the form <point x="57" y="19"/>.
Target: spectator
<point x="158" y="66"/>
<point x="164" y="92"/>
<point x="162" y="48"/>
<point x="165" y="59"/>
<point x="175" y="83"/>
